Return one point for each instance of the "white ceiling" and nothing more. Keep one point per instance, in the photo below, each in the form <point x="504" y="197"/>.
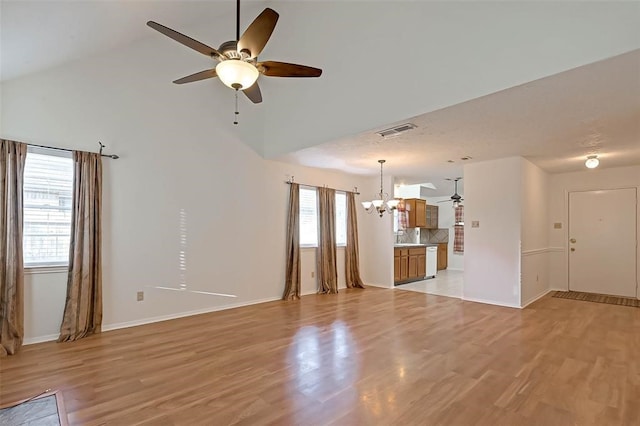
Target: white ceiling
<point x="554" y="122"/>
<point x="467" y="49"/>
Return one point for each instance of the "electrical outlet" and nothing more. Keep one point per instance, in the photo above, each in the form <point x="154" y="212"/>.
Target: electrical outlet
<point x="140" y="296"/>
<point x="313" y="274"/>
<point x="475" y="224"/>
<point x="557" y="225"/>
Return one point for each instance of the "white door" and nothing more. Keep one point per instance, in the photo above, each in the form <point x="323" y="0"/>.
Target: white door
<point x="602" y="242"/>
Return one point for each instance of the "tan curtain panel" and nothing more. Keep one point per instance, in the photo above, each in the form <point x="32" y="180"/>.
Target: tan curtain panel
<point x="83" y="307"/>
<point x="326" y="254"/>
<point x="292" y="278"/>
<point x="352" y="254"/>
<point x="12" y="160"/>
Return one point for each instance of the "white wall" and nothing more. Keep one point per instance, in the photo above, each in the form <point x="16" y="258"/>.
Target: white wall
<point x="498" y="44"/>
<point x="559" y="187"/>
<point x="535" y="233"/>
<point x="446" y="220"/>
<point x="180" y="154"/>
<point x="379" y="231"/>
<point x="493" y="196"/>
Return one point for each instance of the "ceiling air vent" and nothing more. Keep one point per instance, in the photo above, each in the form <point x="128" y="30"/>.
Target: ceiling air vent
<point x="393" y="131"/>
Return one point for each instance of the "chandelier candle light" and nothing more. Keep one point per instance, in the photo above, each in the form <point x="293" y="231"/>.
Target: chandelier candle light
<point x="382" y="203"/>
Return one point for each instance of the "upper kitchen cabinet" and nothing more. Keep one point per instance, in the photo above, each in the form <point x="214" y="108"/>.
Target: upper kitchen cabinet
<point x="432" y="217"/>
<point x="417" y="212"/>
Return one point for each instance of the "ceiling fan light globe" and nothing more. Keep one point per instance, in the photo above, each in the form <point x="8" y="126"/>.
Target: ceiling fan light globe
<point x="592" y="162"/>
<point x="237" y="74"/>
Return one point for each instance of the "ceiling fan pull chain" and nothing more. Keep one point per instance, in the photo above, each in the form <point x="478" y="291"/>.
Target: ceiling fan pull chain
<point x="235" y="121"/>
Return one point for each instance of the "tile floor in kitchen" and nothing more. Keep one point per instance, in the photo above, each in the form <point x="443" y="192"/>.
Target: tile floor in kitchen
<point x="446" y="283"/>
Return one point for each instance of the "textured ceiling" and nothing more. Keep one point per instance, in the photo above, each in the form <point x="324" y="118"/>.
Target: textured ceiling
<point x="554" y="122"/>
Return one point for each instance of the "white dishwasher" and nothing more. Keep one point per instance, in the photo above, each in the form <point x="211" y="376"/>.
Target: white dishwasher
<point x="432" y="261"/>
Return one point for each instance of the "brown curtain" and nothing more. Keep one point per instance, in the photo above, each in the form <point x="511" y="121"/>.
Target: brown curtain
<point x="326" y="255"/>
<point x="12" y="160"/>
<point x="352" y="255"/>
<point x="83" y="308"/>
<point x="292" y="278"/>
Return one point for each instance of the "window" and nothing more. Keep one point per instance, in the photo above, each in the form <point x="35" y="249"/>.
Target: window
<point x="309" y="218"/>
<point x="48" y="183"/>
<point x="341" y="219"/>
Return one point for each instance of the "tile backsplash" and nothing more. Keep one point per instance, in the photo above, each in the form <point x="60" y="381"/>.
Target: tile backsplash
<point x="434" y="236"/>
<point x="408" y="236"/>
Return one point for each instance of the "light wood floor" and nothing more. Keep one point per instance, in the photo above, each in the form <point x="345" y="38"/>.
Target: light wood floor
<point x="372" y="357"/>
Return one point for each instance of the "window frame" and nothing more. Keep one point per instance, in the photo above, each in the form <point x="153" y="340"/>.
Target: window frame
<point x="46" y="266"/>
<point x="317" y="208"/>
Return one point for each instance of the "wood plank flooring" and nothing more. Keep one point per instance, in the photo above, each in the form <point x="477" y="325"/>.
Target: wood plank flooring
<point x="372" y="357"/>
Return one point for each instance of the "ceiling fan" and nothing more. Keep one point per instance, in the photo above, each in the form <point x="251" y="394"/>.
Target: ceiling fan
<point x="238" y="65"/>
<point x="456" y="198"/>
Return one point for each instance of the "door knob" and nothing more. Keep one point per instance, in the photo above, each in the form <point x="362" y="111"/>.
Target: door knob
<point x="573" y="249"/>
<point x="573" y="240"/>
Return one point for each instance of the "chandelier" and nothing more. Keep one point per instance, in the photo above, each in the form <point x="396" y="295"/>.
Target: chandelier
<point x="382" y="203"/>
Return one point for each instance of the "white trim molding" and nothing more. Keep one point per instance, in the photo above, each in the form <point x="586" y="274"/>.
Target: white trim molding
<point x="490" y="302"/>
<point x="135" y="323"/>
<point x="540" y="296"/>
<point x="39" y="339"/>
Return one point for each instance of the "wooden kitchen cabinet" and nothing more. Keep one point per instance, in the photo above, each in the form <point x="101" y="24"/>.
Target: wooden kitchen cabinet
<point x="443" y="253"/>
<point x="431" y="220"/>
<point x="409" y="264"/>
<point x="417" y="212"/>
<point x="422" y="265"/>
<point x="396" y="265"/>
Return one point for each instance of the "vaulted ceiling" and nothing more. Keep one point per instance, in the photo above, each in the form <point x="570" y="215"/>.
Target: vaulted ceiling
<point x="485" y="79"/>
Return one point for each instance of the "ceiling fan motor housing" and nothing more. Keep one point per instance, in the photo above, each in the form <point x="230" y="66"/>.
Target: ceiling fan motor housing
<point x="230" y="50"/>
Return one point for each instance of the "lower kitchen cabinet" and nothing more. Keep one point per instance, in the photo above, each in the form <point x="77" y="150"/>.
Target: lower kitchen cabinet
<point x="443" y="253"/>
<point x="409" y="264"/>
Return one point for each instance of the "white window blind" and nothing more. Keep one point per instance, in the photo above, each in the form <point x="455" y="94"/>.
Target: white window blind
<point x="308" y="217"/>
<point x="341" y="219"/>
<point x="48" y="185"/>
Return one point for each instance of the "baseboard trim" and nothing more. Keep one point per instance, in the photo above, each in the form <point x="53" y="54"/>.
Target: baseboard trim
<point x="135" y="323"/>
<point x="540" y="296"/>
<point x="490" y="302"/>
<point x="40" y="339"/>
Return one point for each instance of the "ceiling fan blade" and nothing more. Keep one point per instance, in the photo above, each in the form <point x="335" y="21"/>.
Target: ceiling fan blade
<point x="444" y="201"/>
<point x="283" y="69"/>
<point x="202" y="75"/>
<point x="257" y="34"/>
<point x="253" y="93"/>
<point x="183" y="39"/>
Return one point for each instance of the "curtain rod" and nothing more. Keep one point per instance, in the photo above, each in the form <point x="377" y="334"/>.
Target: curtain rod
<point x="355" y="188"/>
<point x="112" y="156"/>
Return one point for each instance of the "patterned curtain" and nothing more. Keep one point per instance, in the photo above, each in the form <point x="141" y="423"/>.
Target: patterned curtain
<point x="292" y="278"/>
<point x="458" y="241"/>
<point x="83" y="307"/>
<point x="326" y="254"/>
<point x="12" y="160"/>
<point x="352" y="256"/>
